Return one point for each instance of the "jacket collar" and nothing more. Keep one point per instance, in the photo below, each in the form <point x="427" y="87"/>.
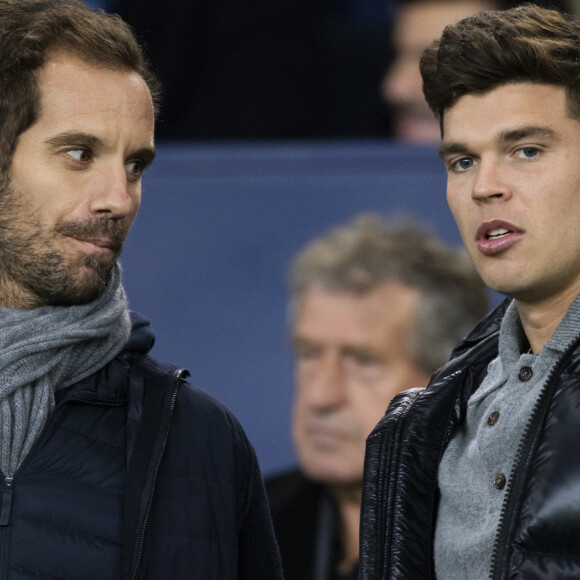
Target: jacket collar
<point x="484" y="329"/>
<point x="109" y="384"/>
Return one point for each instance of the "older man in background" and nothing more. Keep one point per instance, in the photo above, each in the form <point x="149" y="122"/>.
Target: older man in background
<point x="376" y="308"/>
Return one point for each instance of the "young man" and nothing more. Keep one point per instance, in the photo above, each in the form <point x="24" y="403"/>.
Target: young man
<point x="112" y="466"/>
<point x="478" y="475"/>
<point x="375" y="308"/>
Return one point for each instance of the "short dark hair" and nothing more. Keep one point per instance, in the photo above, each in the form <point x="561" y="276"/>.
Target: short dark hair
<point x="30" y="30"/>
<point x="493" y="48"/>
<point x="371" y="250"/>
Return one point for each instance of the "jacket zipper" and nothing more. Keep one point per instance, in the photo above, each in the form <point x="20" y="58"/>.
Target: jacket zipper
<point x="5" y="509"/>
<point x="8" y="491"/>
<point x="510" y="506"/>
<point x="6" y="503"/>
<point x="179" y="375"/>
<point x="7" y="496"/>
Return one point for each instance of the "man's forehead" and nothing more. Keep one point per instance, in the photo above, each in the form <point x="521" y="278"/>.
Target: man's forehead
<point x="77" y="96"/>
<point x="504" y="110"/>
<point x="66" y="68"/>
<point x="385" y="304"/>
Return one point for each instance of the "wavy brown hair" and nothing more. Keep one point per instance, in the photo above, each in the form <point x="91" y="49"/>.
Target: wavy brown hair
<point x="494" y="48"/>
<point x="30" y="30"/>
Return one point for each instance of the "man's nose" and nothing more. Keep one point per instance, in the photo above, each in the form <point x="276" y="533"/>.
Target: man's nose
<point x="489" y="182"/>
<point x="114" y="194"/>
<point x="328" y="383"/>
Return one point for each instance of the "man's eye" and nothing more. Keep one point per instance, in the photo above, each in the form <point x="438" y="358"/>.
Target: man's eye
<point x="307" y="353"/>
<point x="528" y="152"/>
<point x="365" y="361"/>
<point x="79" y="154"/>
<point x="462" y="164"/>
<point x="135" y="167"/>
<point x="367" y="369"/>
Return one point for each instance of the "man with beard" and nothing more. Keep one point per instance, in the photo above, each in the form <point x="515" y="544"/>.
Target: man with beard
<point x="112" y="465"/>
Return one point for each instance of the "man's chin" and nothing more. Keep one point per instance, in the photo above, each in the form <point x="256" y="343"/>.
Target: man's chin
<point x="333" y="474"/>
<point x="88" y="285"/>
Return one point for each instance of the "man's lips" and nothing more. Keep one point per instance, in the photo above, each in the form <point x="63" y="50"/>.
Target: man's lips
<point x="94" y="235"/>
<point x="323" y="435"/>
<point x="100" y="245"/>
<point x="496" y="236"/>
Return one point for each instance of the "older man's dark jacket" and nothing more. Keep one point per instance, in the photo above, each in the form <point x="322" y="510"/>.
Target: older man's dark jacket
<point x="137" y="475"/>
<point x="539" y="531"/>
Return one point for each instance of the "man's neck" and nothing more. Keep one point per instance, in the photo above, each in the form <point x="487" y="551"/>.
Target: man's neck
<point x="348" y="499"/>
<point x="540" y="319"/>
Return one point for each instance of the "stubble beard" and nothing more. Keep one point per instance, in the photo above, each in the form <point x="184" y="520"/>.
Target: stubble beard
<point x="35" y="272"/>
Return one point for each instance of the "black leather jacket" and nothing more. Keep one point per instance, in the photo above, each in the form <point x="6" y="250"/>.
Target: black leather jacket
<point x="539" y="531"/>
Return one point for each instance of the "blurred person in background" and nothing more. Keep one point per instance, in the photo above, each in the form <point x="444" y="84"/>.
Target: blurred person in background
<point x="255" y="69"/>
<point x="249" y="69"/>
<point x="375" y="308"/>
<point x="416" y="24"/>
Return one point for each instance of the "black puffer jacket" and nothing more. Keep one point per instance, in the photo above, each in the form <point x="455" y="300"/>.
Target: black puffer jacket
<point x="539" y="531"/>
<point x="137" y="475"/>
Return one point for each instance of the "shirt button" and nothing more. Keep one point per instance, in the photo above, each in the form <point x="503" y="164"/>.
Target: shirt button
<point x="499" y="481"/>
<point x="492" y="419"/>
<point x="525" y="374"/>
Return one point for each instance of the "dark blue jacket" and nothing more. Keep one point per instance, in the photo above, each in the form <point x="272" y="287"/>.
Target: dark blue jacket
<point x="138" y="475"/>
<point x="308" y="527"/>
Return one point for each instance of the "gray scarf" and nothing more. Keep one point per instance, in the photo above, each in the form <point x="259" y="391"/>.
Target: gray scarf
<point x="50" y="348"/>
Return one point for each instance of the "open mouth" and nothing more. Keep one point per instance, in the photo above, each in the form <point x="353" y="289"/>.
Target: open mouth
<point x="497" y="233"/>
<point x="496" y="236"/>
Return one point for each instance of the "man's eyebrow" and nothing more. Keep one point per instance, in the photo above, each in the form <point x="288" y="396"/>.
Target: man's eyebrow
<point x="528" y="132"/>
<point x="447" y="149"/>
<point x="73" y="139"/>
<point x="298" y="341"/>
<point x="505" y="137"/>
<point x="361" y="352"/>
<point x="146" y="154"/>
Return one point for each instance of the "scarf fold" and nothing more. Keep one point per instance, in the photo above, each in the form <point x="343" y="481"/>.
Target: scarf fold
<point x="51" y="348"/>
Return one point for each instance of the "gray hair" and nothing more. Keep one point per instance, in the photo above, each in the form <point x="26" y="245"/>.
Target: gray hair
<point x="358" y="257"/>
